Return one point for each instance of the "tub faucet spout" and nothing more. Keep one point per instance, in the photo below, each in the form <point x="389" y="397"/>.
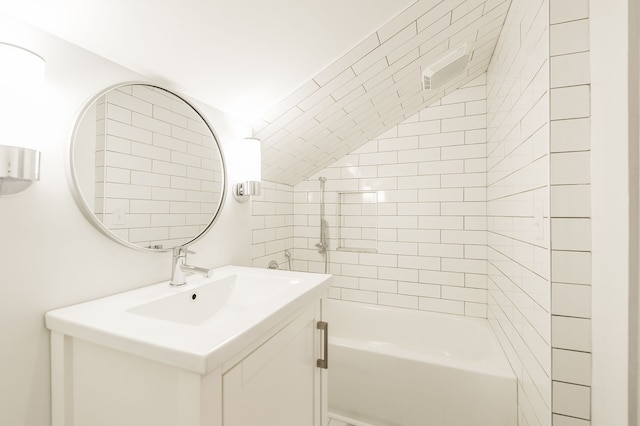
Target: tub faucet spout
<point x="180" y="269"/>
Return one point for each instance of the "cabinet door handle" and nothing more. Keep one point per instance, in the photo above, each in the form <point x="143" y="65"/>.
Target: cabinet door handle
<point x="324" y="326"/>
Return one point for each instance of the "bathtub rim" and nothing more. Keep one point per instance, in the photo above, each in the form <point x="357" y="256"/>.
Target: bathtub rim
<point x="348" y="420"/>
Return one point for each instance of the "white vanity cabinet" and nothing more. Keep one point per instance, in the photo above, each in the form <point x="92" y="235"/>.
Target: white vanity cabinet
<point x="253" y="363"/>
<point x="272" y="382"/>
<point x="278" y="383"/>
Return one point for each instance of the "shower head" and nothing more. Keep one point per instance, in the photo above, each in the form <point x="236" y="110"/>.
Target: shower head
<point x="322" y="179"/>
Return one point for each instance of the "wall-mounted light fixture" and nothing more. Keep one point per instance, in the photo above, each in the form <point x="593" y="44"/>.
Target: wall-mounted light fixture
<point x="21" y="75"/>
<point x="250" y="175"/>
<point x="19" y="167"/>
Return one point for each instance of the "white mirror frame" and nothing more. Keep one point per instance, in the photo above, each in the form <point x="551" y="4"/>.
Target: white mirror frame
<point x="85" y="208"/>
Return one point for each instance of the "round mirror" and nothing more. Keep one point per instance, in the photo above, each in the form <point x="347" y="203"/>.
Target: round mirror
<point x="146" y="167"/>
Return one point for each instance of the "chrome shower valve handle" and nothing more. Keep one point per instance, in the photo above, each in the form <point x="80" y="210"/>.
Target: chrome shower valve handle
<point x="322" y="247"/>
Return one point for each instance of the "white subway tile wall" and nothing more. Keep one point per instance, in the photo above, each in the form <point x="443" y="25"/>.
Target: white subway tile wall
<point x="570" y="180"/>
<point x="517" y="204"/>
<point x="482" y="209"/>
<point x="157" y="187"/>
<point x="413" y="203"/>
<point x="272" y="224"/>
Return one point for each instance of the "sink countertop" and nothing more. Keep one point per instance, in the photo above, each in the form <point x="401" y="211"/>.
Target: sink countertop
<point x="201" y="347"/>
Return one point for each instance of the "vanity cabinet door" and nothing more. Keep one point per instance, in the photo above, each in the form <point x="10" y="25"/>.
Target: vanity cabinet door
<point x="278" y="384"/>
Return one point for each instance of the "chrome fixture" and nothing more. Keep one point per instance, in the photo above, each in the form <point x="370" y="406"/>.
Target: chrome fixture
<point x="287" y="254"/>
<point x="243" y="190"/>
<point x="251" y="173"/>
<point x="19" y="167"/>
<point x="180" y="268"/>
<point x="323" y="244"/>
<point x="273" y="265"/>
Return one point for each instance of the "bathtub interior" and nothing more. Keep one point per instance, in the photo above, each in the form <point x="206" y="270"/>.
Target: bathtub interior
<point x="382" y="375"/>
<point x="380" y="324"/>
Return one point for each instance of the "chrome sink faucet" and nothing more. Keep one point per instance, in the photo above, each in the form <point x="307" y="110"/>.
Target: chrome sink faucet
<point x="180" y="269"/>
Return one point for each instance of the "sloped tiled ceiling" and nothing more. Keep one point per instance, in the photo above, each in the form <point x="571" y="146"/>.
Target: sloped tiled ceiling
<point x="215" y="46"/>
<point x="376" y="85"/>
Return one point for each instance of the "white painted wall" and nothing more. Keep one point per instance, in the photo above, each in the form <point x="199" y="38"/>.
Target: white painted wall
<point x="610" y="206"/>
<point x="634" y="394"/>
<point x="50" y="256"/>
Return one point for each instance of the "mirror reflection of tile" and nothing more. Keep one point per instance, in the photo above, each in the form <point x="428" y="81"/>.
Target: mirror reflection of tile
<point x="157" y="168"/>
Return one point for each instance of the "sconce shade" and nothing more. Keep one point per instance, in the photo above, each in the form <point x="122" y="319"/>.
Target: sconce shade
<point x="21" y="69"/>
<point x="21" y="77"/>
<point x="250" y="173"/>
<point x="252" y="159"/>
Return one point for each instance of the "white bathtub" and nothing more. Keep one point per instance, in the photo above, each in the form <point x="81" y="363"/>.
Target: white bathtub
<point x="398" y="367"/>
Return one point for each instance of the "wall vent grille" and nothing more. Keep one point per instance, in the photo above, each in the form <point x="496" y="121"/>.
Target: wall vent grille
<point x="445" y="69"/>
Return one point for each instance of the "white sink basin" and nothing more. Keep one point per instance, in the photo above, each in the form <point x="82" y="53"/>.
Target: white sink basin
<point x="195" y="326"/>
<point x="197" y="305"/>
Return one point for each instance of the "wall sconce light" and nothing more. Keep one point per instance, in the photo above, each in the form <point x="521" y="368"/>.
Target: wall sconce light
<point x="251" y="173"/>
<point x="21" y="75"/>
<point x="19" y="167"/>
